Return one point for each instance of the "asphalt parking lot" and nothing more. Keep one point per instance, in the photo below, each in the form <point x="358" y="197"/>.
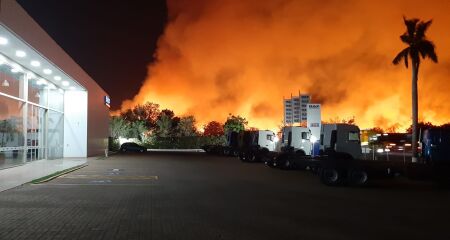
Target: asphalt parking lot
<point x="197" y="196"/>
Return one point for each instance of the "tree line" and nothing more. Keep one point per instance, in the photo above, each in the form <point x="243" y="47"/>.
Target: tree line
<point x="155" y="128"/>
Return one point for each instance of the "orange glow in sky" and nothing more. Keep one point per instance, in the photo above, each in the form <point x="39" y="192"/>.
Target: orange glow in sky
<point x="230" y="56"/>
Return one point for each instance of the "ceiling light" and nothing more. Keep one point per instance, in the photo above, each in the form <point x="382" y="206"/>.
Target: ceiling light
<point x="3" y="41"/>
<point x="35" y="63"/>
<point x="15" y="70"/>
<point x="65" y="83"/>
<point x="2" y="59"/>
<point x="20" y="53"/>
<point x="47" y="71"/>
<point x="5" y="83"/>
<point x="72" y="88"/>
<point x="57" y="78"/>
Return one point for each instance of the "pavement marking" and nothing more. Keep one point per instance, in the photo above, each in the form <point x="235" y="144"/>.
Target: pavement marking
<point x="114" y="177"/>
<point x="95" y="184"/>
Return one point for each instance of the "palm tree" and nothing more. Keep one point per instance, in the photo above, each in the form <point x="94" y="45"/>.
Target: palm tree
<point x="418" y="47"/>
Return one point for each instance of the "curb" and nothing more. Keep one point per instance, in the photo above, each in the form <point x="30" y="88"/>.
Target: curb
<point x="57" y="174"/>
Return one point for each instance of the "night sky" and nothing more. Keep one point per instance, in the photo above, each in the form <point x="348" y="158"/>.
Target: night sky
<point x="113" y="41"/>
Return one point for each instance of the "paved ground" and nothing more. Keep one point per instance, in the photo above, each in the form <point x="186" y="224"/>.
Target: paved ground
<point x="195" y="196"/>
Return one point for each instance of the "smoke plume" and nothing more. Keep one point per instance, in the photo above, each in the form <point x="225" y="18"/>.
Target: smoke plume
<point x="230" y="56"/>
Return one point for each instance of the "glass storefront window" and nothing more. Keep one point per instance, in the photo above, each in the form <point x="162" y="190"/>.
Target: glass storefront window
<point x="56" y="99"/>
<point x="31" y="128"/>
<point x="11" y="132"/>
<point x="37" y="91"/>
<point x="35" y="133"/>
<point x="55" y="135"/>
<point x="11" y="158"/>
<point x="11" y="122"/>
<point x="11" y="81"/>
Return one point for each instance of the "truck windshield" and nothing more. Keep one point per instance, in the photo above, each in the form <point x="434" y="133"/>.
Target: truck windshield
<point x="353" y="136"/>
<point x="305" y="135"/>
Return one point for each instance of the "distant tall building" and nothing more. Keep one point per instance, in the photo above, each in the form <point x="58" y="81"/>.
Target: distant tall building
<point x="295" y="109"/>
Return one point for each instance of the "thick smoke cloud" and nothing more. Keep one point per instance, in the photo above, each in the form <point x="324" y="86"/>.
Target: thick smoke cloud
<point x="221" y="56"/>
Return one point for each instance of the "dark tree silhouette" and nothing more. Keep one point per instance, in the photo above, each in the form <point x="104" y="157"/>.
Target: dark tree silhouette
<point x="418" y="47"/>
<point x="147" y="112"/>
<point x="213" y="128"/>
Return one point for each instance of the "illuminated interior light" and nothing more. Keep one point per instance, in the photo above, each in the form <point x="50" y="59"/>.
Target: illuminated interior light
<point x="20" y="53"/>
<point x="47" y="71"/>
<point x="65" y="83"/>
<point x="35" y="63"/>
<point x="57" y="78"/>
<point x="3" y="41"/>
<point x="5" y="83"/>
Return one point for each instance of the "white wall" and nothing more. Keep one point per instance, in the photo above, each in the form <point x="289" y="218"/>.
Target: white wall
<point x="75" y="123"/>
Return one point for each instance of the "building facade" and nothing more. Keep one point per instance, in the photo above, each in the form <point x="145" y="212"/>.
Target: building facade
<point x="49" y="107"/>
<point x="295" y="109"/>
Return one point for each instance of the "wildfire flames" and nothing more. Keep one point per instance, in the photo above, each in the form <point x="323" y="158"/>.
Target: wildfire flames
<point x="221" y="56"/>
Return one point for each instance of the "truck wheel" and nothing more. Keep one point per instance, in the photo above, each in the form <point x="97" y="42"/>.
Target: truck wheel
<point x="226" y="152"/>
<point x="330" y="176"/>
<point x="287" y="164"/>
<point x="235" y="153"/>
<point x="358" y="177"/>
<point x="251" y="157"/>
<point x="242" y="157"/>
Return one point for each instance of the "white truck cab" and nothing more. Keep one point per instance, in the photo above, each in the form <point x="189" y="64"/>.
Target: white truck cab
<point x="267" y="139"/>
<point x="298" y="139"/>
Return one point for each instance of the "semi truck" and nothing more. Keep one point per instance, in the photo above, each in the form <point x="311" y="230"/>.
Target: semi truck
<point x="295" y="142"/>
<point x="231" y="147"/>
<point x="340" y="162"/>
<point x="248" y="145"/>
<point x="254" y="146"/>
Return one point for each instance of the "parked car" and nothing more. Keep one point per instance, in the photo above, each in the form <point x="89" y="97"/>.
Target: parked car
<point x="132" y="147"/>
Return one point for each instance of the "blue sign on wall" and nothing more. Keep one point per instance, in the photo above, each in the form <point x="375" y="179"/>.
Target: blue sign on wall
<point x="107" y="101"/>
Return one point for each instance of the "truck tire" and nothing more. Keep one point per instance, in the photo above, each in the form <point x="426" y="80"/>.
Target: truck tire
<point x="270" y="162"/>
<point x="286" y="165"/>
<point x="235" y="153"/>
<point x="358" y="177"/>
<point x="251" y="157"/>
<point x="331" y="176"/>
<point x="242" y="157"/>
<point x="226" y="152"/>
